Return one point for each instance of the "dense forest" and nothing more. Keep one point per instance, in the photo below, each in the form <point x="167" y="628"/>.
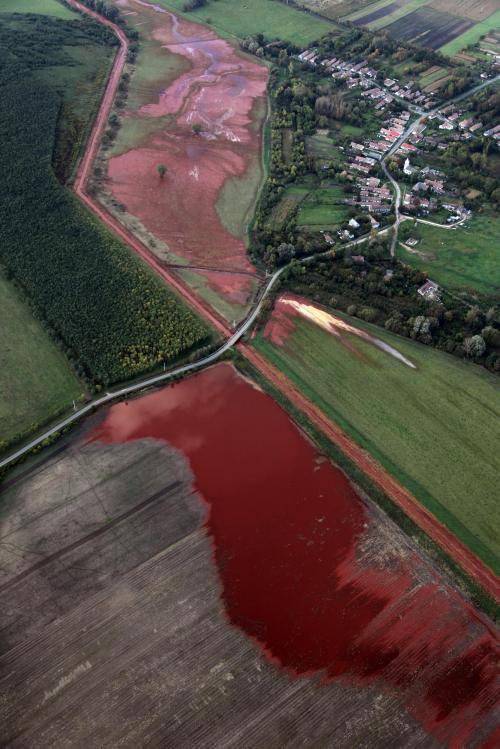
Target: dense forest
<point x="113" y="318"/>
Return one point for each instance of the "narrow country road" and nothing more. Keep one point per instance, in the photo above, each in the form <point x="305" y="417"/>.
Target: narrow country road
<point x="434" y="223"/>
<point x="474" y="567"/>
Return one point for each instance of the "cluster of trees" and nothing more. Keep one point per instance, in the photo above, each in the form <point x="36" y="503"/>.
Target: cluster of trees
<point x="112" y="13"/>
<point x="461" y="80"/>
<point x="486" y="104"/>
<point x="193" y="5"/>
<point x="365" y="291"/>
<point x="112" y="317"/>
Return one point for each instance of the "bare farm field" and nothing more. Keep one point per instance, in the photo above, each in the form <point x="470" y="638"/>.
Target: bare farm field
<point x="336" y="8"/>
<point x="476" y="10"/>
<point x="385" y="12"/>
<point x="429" y="27"/>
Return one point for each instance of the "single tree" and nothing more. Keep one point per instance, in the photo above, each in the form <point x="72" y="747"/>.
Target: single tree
<point x="197" y="128"/>
<point x="162" y="170"/>
<point x="474" y="346"/>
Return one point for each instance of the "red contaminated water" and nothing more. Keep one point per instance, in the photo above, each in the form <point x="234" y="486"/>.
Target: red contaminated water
<point x="308" y="570"/>
<point x="219" y="93"/>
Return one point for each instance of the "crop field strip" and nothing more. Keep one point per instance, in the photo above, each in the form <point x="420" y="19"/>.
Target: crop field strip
<point x="419" y="21"/>
<point x="476" y="10"/>
<point x="336" y="9"/>
<point x="428" y="27"/>
<point x="383" y="12"/>
<point x="116" y="648"/>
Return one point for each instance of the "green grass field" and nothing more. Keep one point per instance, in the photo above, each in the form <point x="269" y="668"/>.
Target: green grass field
<point x="241" y="18"/>
<point x="36" y="382"/>
<point x="322" y="147"/>
<point x="436" y="428"/>
<point x="323" y="207"/>
<point x="238" y="197"/>
<point x="42" y="7"/>
<point x="427" y="78"/>
<point x="323" y="214"/>
<point x="472" y="35"/>
<point x="465" y="257"/>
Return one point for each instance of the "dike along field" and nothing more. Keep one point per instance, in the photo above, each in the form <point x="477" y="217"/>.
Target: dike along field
<point x="196" y="106"/>
<point x="429" y="419"/>
<point x="193" y="573"/>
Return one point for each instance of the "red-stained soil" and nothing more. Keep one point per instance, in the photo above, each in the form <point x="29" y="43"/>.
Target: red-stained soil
<point x="308" y="570"/>
<point x="289" y="306"/>
<point x="281" y="323"/>
<point x="234" y="288"/>
<point x="219" y="93"/>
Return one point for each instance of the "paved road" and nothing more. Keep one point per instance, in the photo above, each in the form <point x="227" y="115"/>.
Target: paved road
<point x="434" y="223"/>
<point x="397" y="205"/>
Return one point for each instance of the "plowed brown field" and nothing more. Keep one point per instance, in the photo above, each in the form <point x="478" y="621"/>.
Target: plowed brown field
<point x="476" y="10"/>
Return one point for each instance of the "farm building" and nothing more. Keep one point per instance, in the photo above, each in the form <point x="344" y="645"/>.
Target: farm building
<point x="430" y="291"/>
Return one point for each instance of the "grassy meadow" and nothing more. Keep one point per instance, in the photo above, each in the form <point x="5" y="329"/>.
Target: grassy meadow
<point x="323" y="207"/>
<point x="36" y="382"/>
<point x="41" y="7"/>
<point x="463" y="258"/>
<point x="435" y="428"/>
<point x="241" y="18"/>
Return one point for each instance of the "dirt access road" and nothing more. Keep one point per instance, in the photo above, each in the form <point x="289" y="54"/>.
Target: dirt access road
<point x="474" y="567"/>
